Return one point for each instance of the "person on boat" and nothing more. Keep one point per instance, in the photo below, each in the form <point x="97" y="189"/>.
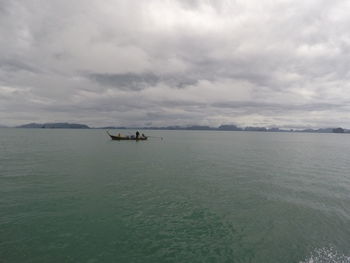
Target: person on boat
<point x="137" y="135"/>
<point x="143" y="136"/>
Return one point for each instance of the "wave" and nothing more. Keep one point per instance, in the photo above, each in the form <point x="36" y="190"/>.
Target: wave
<point x="326" y="255"/>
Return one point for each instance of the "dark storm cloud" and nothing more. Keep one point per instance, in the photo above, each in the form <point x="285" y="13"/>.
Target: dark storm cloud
<point x="275" y="107"/>
<point x="17" y="65"/>
<point x="206" y="62"/>
<point x="137" y="82"/>
<point x="128" y="81"/>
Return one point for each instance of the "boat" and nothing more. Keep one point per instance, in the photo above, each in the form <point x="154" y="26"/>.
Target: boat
<point x="126" y="138"/>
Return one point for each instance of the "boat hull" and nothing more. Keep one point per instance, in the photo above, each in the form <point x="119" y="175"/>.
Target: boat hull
<point x="119" y="138"/>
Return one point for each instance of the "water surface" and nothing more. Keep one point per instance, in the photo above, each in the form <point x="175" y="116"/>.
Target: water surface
<point x="76" y="196"/>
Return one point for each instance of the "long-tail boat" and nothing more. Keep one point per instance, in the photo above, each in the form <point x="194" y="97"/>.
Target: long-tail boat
<point x="126" y="138"/>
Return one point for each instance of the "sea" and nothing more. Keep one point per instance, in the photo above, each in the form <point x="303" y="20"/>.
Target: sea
<point x="191" y="196"/>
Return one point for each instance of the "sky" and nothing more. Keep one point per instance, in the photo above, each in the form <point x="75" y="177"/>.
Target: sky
<point x="281" y="63"/>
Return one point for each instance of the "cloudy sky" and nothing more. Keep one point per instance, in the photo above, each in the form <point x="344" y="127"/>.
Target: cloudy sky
<point x="159" y="62"/>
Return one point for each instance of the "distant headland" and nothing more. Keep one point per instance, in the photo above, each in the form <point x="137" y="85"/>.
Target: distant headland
<point x="236" y="128"/>
<point x="57" y="125"/>
<point x="65" y="125"/>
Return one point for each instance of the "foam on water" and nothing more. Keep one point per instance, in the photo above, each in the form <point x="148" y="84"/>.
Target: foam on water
<point x="326" y="255"/>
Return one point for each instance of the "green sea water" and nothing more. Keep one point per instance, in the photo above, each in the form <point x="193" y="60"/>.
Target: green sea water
<point x="77" y="196"/>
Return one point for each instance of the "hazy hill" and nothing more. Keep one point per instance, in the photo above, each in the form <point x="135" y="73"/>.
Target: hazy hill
<point x="55" y="126"/>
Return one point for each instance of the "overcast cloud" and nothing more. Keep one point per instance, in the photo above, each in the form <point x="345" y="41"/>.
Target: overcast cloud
<point x="158" y="62"/>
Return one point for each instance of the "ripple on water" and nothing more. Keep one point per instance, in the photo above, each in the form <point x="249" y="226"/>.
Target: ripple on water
<point x="326" y="255"/>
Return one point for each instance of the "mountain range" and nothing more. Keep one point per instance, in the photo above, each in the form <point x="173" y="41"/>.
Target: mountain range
<point x="65" y="125"/>
<point x="59" y="125"/>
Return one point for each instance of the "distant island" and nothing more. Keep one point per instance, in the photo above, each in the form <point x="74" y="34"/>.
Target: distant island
<point x="225" y="127"/>
<point x="59" y="125"/>
<point x="232" y="128"/>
